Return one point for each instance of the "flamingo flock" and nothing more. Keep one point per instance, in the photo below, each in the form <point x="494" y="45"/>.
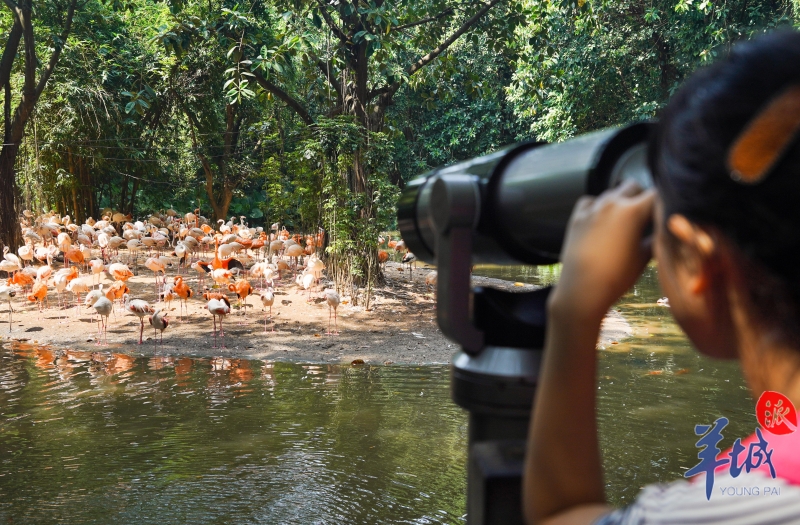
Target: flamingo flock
<point x="60" y="256"/>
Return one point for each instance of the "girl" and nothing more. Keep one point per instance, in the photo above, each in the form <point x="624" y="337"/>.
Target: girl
<point x="726" y="162"/>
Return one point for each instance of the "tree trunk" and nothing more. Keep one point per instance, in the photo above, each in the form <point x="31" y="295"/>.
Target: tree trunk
<point x="134" y="191"/>
<point x="123" y="196"/>
<point x="10" y="233"/>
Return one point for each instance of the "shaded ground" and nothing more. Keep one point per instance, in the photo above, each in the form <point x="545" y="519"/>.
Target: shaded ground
<point x="400" y="326"/>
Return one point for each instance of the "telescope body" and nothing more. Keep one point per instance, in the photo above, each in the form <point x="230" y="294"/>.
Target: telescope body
<point x="525" y="194"/>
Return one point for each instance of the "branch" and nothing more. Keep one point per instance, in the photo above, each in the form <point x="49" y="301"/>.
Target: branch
<point x="10" y="52"/>
<point x="427" y="59"/>
<point x="444" y="13"/>
<point x="281" y="94"/>
<point x="57" y="52"/>
<point x="380" y="91"/>
<point x="327" y="16"/>
<point x="13" y="6"/>
<point x="388" y="91"/>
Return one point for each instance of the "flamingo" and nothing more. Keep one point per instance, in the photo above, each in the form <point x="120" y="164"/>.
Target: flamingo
<point x="9" y="266"/>
<point x="306" y="281"/>
<point x="430" y="280"/>
<point x="409" y="259"/>
<point x="103" y="307"/>
<point x="184" y="292"/>
<point x="156" y="265"/>
<point x="119" y="271"/>
<point x="92" y="297"/>
<point x="20" y="279"/>
<point x="168" y="295"/>
<point x="77" y="287"/>
<point x="97" y="268"/>
<point x="202" y="269"/>
<point x="25" y="253"/>
<point x="275" y="246"/>
<point x="74" y="255"/>
<point x="261" y="270"/>
<point x="219" y="307"/>
<point x="38" y="294"/>
<point x="296" y="251"/>
<point x="332" y="298"/>
<point x="221" y="276"/>
<point x="45" y="272"/>
<point x="242" y="290"/>
<point x="181" y="251"/>
<point x="267" y="299"/>
<point x="134" y="245"/>
<point x="138" y="308"/>
<point x="6" y="293"/>
<point x="159" y="321"/>
<point x="60" y="282"/>
<point x="117" y="291"/>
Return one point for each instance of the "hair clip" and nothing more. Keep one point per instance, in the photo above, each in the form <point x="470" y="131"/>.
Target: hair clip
<point x="766" y="138"/>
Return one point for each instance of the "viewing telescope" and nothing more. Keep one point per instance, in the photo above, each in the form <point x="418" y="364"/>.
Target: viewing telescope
<point x="508" y="207"/>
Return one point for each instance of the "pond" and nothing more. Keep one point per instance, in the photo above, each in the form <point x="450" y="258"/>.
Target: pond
<point x="113" y="439"/>
<point x="108" y="438"/>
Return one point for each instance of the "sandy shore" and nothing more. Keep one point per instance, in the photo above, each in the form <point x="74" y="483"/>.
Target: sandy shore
<point x="400" y="326"/>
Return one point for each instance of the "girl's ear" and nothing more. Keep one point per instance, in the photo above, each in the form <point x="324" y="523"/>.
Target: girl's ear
<point x="697" y="247"/>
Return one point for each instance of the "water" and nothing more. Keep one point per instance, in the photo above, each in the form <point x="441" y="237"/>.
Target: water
<point x="225" y="441"/>
<point x="106" y="438"/>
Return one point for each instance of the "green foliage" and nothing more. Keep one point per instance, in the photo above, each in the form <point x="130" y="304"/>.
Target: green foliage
<point x="599" y="63"/>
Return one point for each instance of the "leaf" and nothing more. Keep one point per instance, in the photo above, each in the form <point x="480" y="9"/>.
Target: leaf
<point x="316" y="20"/>
<point x="129" y="107"/>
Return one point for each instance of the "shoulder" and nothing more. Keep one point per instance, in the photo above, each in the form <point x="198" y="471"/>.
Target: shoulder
<point x="748" y="499"/>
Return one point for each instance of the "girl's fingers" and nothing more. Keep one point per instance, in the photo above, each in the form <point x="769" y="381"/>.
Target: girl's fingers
<point x="628" y="188"/>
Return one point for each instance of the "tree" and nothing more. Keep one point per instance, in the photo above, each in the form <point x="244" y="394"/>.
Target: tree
<point x="14" y="126"/>
<point x="593" y="64"/>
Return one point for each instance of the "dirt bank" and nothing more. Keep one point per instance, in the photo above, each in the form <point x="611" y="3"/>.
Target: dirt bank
<point x="399" y="328"/>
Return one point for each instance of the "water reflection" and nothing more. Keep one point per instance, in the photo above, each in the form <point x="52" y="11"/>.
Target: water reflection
<point x="107" y="438"/>
<point x="653" y="389"/>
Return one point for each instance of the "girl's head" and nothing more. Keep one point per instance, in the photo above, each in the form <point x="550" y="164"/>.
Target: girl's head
<point x="728" y="250"/>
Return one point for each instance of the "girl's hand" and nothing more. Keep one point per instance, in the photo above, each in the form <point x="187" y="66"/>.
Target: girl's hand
<point x="604" y="251"/>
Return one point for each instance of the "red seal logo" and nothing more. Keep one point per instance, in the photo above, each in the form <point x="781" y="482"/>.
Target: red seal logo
<point x="776" y="413"/>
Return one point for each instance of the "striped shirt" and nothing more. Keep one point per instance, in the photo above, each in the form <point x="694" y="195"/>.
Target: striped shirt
<point x="749" y="499"/>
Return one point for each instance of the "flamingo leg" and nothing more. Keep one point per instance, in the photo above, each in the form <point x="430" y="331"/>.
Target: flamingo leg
<point x="329" y="321"/>
<point x="141" y="329"/>
<point x="215" y="330"/>
<point x="221" y="331"/>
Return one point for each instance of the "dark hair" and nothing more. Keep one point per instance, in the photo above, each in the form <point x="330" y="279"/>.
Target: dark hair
<point x="688" y="158"/>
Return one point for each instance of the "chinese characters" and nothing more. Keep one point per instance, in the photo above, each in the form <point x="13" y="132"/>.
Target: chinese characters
<point x="758" y="454"/>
